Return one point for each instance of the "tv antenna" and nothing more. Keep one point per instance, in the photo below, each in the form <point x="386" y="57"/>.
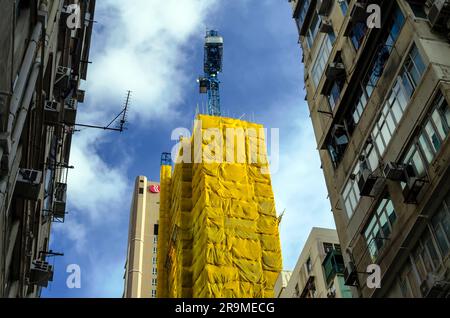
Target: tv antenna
<point x="122" y="117"/>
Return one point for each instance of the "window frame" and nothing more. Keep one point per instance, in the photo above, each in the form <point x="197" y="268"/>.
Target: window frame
<point x="374" y="226"/>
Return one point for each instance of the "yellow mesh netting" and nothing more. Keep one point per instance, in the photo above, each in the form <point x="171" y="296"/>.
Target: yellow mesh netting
<point x="218" y="234"/>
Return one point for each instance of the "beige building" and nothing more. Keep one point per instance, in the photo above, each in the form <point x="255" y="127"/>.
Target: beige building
<point x="141" y="266"/>
<point x="319" y="272"/>
<point x="42" y="61"/>
<point x="378" y="96"/>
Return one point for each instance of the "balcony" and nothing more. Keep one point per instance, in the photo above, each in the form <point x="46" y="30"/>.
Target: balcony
<point x="333" y="264"/>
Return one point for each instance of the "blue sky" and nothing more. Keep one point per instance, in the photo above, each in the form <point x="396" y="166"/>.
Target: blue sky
<point x="155" y="49"/>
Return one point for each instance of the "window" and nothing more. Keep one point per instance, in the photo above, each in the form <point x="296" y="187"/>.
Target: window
<point x="155" y="271"/>
<point x="404" y="281"/>
<point x="429" y="253"/>
<point x="414" y="158"/>
<point x="154" y="260"/>
<point x="377" y="67"/>
<point x="154" y="281"/>
<point x="412" y="70"/>
<point x="351" y="194"/>
<point x="313" y="29"/>
<point x="380" y="227"/>
<point x="302" y="13"/>
<point x="344" y="6"/>
<point x="338" y="143"/>
<point x="441" y="227"/>
<point x="322" y="58"/>
<point x="357" y="34"/>
<point x="141" y="190"/>
<point x="335" y="93"/>
<point x="155" y="229"/>
<point x="155" y="250"/>
<point x="390" y="117"/>
<point x="430" y="139"/>
<point x="308" y="265"/>
<point x="153" y="293"/>
<point x="155" y="239"/>
<point x="327" y="247"/>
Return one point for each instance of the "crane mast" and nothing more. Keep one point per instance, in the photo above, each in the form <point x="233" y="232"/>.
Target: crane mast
<point x="209" y="83"/>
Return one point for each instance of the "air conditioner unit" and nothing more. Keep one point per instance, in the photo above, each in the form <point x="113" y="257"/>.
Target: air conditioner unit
<point x="52" y="110"/>
<point x="394" y="171"/>
<point x="439" y="14"/>
<point x="324" y="6"/>
<point x="413" y="187"/>
<point x="350" y="275"/>
<point x="70" y="111"/>
<point x="41" y="273"/>
<point x="434" y="287"/>
<point x="326" y="26"/>
<point x="59" y="202"/>
<point x="27" y="184"/>
<point x="366" y="182"/>
<point x="335" y="70"/>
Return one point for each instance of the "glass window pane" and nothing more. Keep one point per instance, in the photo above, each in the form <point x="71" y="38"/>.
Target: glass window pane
<point x="390" y="123"/>
<point x="433" y="136"/>
<point x="385" y="225"/>
<point x="441" y="240"/>
<point x="445" y="113"/>
<point x="414" y="73"/>
<point x="407" y="85"/>
<point x="428" y="243"/>
<point x="441" y="225"/>
<point x="419" y="264"/>
<point x="418" y="62"/>
<point x="397" y="111"/>
<point x="429" y="155"/>
<point x="418" y="164"/>
<point x="437" y="119"/>
<point x="386" y="134"/>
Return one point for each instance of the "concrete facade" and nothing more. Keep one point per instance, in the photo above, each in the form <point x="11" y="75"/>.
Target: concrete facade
<point x="379" y="103"/>
<point x="319" y="272"/>
<point x="41" y="64"/>
<point x="141" y="266"/>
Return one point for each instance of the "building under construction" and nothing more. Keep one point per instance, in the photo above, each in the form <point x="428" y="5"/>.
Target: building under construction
<point x="43" y="57"/>
<point x="218" y="231"/>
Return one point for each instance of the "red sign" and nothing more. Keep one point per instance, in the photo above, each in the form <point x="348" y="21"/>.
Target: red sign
<point x="154" y="188"/>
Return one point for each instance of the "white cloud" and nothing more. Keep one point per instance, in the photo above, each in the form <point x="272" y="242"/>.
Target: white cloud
<point x="144" y="49"/>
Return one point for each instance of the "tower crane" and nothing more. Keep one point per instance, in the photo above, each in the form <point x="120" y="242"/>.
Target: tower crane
<point x="209" y="83"/>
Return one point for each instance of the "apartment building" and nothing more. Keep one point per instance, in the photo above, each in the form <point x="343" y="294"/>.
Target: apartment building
<point x="141" y="266"/>
<point x="319" y="272"/>
<point x="377" y="85"/>
<point x="42" y="60"/>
